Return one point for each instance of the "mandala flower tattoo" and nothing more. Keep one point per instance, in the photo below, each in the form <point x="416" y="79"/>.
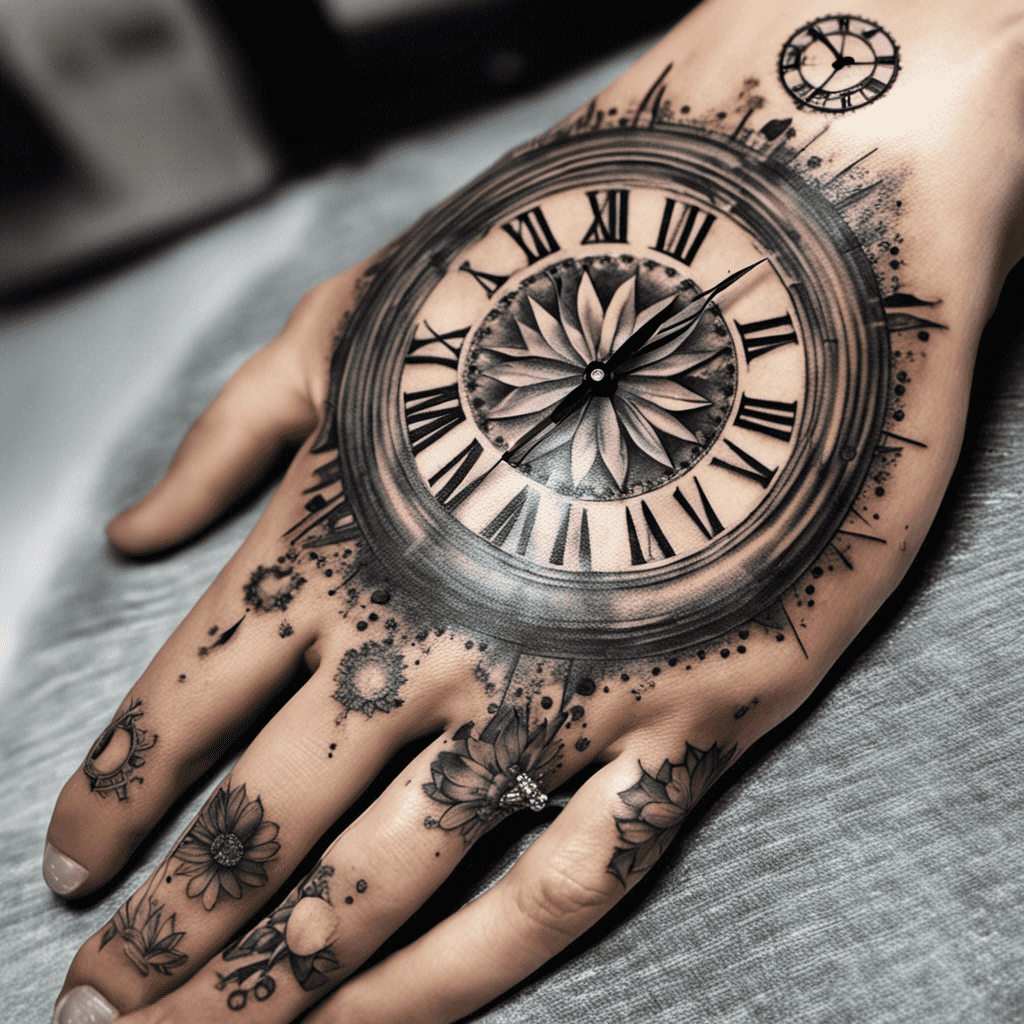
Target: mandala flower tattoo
<point x="641" y="416"/>
<point x="268" y="945"/>
<point x="150" y="939"/>
<point x="227" y="847"/>
<point x="658" y="805"/>
<point x="123" y="736"/>
<point x="484" y="779"/>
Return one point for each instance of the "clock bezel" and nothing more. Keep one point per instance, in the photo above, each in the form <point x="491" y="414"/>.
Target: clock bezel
<point x="466" y="581"/>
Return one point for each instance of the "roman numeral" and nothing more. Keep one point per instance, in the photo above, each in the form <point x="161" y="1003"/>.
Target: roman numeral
<point x="445" y="340"/>
<point x="522" y="507"/>
<point x="531" y="233"/>
<point x="753" y="470"/>
<point x="641" y="553"/>
<point x="489" y="282"/>
<point x="460" y="467"/>
<point x="611" y="216"/>
<point x="775" y="419"/>
<point x="432" y="415"/>
<point x="557" y="556"/>
<point x="763" y="336"/>
<point x="791" y="58"/>
<point x="872" y="85"/>
<point x="710" y="525"/>
<point x="683" y="230"/>
<point x="844" y="24"/>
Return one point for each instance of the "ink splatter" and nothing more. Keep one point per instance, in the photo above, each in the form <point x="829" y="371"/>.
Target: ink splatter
<point x="261" y="593"/>
<point x="285" y="630"/>
<point x="368" y="679"/>
<point x="222" y="639"/>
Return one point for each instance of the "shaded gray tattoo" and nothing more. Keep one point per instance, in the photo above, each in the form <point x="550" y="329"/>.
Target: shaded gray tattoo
<point x="278" y="940"/>
<point x="658" y="805"/>
<point x="368" y="679"/>
<point x="117" y="754"/>
<point x="150" y="939"/>
<point x="222" y="639"/>
<point x="227" y="847"/>
<point x="838" y="63"/>
<point x="272" y="587"/>
<point x="483" y="779"/>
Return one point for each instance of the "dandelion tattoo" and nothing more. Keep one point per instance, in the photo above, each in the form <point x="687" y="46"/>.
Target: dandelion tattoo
<point x="227" y="847"/>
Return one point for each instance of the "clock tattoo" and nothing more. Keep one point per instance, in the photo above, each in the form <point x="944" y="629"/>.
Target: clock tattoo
<point x="838" y="63"/>
<point x="622" y="401"/>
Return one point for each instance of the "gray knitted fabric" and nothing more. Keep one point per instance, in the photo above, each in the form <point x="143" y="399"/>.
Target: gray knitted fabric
<point x="866" y="868"/>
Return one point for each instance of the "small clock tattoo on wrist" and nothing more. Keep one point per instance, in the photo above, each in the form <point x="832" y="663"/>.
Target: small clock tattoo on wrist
<point x="838" y="63"/>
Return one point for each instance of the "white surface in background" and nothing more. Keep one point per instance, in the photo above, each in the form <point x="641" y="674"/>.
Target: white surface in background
<point x="75" y="373"/>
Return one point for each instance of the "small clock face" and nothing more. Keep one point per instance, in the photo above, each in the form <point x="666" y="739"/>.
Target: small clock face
<point x="838" y="63"/>
<point x="704" y="473"/>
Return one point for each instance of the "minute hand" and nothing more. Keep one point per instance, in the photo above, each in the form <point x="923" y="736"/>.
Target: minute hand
<point x="682" y="324"/>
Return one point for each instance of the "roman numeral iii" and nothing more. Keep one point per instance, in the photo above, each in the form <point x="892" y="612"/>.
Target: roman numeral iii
<point x="683" y="230"/>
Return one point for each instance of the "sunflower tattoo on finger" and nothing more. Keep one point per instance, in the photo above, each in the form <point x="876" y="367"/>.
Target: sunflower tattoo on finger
<point x="227" y="847"/>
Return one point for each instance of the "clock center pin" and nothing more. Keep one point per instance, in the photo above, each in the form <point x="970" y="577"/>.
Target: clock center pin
<point x="601" y="381"/>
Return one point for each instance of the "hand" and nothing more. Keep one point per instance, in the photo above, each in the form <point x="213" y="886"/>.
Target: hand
<point x="505" y="723"/>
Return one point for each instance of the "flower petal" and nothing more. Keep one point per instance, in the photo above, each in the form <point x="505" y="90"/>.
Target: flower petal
<point x="229" y="883"/>
<point x="459" y="815"/>
<point x="584" y="444"/>
<point x="619" y="318"/>
<point x="532" y="399"/>
<point x="552" y="332"/>
<point x="517" y="373"/>
<point x="591" y="314"/>
<point x="666" y="393"/>
<point x="657" y="417"/>
<point x="669" y="364"/>
<point x="535" y="343"/>
<point x="662" y="815"/>
<point x="249" y="819"/>
<point x="640" y="432"/>
<point x="610" y="441"/>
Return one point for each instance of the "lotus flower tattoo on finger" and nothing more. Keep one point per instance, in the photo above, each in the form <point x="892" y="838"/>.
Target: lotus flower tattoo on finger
<point x="658" y="805"/>
<point x="227" y="847"/>
<point x="485" y="778"/>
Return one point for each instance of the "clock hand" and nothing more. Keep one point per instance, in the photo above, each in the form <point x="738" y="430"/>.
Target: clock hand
<point x="683" y="322"/>
<point x="822" y="38"/>
<point x="565" y="407"/>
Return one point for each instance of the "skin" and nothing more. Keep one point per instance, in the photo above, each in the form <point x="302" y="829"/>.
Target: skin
<point x="936" y="132"/>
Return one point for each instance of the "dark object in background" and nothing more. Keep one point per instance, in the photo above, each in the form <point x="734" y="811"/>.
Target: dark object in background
<point x="126" y="121"/>
<point x="325" y="93"/>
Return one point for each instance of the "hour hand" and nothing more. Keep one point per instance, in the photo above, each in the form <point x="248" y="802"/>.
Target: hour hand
<point x="565" y="407"/>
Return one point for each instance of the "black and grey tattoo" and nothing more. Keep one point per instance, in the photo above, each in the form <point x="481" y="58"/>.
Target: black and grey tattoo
<point x="483" y="779"/>
<point x="227" y="847"/>
<point x="150" y="938"/>
<point x="297" y="933"/>
<point x="658" y="805"/>
<point x="117" y="755"/>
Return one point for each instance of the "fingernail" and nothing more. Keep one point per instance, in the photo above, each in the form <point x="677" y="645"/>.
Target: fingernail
<point x="83" y="1005"/>
<point x="62" y="874"/>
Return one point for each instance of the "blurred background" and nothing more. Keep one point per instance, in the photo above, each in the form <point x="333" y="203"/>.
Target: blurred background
<point x="126" y="121"/>
<point x="175" y="173"/>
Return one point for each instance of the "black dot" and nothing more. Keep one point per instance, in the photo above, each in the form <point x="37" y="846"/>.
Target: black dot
<point x="655" y="671"/>
<point x="606" y="689"/>
<point x="546" y="702"/>
<point x="438" y="853"/>
<point x="779" y="637"/>
<point x="894" y="251"/>
<point x="328" y="572"/>
<point x="741" y="649"/>
<point x="380" y="596"/>
<point x="672" y="662"/>
<point x="576" y="711"/>
<point x="624" y="677"/>
<point x="922" y="335"/>
<point x="810" y="604"/>
<point x="900" y="389"/>
<point x="582" y="743"/>
<point x="492" y="709"/>
<point x="361" y="885"/>
<point x="585" y="687"/>
<point x="895" y="264"/>
<point x="361" y="625"/>
<point x="684" y="110"/>
<point x="744" y="634"/>
<point x="898" y="415"/>
<point x="702" y="655"/>
<point x="902" y="375"/>
<point x="809" y="590"/>
<point x="879" y="492"/>
<point x="348" y="899"/>
<point x="168" y="879"/>
<point x="725" y="652"/>
<point x="469" y="645"/>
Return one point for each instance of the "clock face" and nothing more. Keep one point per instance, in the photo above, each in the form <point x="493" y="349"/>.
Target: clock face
<point x="838" y="63"/>
<point x="697" y="479"/>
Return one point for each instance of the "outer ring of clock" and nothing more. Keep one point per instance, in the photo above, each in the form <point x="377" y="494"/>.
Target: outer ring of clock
<point x="464" y="581"/>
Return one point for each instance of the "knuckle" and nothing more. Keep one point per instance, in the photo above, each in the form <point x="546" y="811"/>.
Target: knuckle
<point x="562" y="901"/>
